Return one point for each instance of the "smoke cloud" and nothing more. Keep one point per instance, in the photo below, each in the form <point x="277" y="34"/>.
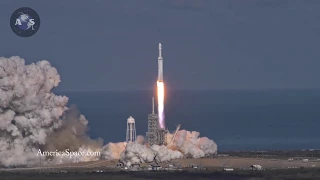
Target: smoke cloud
<point x="113" y="150"/>
<point x="185" y="144"/>
<point x="32" y="117"/>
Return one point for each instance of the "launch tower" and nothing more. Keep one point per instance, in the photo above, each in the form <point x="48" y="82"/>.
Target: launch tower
<point x="155" y="134"/>
<point x="153" y="126"/>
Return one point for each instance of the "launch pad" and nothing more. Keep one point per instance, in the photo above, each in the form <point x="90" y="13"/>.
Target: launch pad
<point x="155" y="134"/>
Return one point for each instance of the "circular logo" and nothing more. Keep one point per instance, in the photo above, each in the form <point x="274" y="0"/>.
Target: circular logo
<point x="25" y="22"/>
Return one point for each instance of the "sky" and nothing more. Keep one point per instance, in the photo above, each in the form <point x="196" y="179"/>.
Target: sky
<point x="103" y="45"/>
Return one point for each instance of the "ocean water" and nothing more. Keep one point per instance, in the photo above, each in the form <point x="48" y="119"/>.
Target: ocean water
<point x="234" y="119"/>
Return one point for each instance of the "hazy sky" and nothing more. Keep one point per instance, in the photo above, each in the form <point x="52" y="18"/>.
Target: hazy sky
<point x="207" y="44"/>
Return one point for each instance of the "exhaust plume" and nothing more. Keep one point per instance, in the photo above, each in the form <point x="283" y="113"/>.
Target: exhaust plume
<point x="32" y="117"/>
<point x="160" y="88"/>
<point x="185" y="144"/>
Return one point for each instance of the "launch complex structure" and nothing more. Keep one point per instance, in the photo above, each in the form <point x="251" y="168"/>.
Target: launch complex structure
<point x="155" y="134"/>
<point x="156" y="129"/>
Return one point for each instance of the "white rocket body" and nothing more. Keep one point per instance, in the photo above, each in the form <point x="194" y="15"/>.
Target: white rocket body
<point x="160" y="65"/>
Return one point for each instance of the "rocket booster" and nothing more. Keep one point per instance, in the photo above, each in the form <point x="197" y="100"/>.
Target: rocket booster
<point x="160" y="65"/>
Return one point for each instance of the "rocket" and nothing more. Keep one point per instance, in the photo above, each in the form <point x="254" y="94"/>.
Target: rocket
<point x="160" y="65"/>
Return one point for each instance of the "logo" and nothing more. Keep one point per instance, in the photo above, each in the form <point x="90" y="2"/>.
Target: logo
<point x="25" y="22"/>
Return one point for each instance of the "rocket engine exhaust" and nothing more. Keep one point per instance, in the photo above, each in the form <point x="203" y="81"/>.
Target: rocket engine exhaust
<point x="160" y="90"/>
<point x="160" y="87"/>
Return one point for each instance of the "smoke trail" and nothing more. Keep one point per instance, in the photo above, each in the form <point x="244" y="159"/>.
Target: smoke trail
<point x="160" y="87"/>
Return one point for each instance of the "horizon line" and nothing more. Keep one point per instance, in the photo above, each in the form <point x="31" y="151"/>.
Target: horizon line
<point x="227" y="89"/>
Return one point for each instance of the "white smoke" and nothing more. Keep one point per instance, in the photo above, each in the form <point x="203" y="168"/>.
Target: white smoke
<point x="32" y="117"/>
<point x="140" y="139"/>
<point x="184" y="144"/>
<point x="190" y="144"/>
<point x="113" y="150"/>
<point x="163" y="153"/>
<point x="136" y="153"/>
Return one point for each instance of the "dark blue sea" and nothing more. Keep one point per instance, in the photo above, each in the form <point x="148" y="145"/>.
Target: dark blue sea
<point x="234" y="119"/>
